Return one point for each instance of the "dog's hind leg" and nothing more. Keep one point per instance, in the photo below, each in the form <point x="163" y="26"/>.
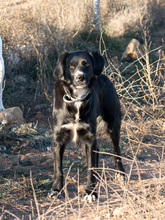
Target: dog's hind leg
<point x="115" y="136"/>
<point x="113" y="129"/>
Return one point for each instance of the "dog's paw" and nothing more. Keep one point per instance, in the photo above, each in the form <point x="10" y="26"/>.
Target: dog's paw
<point x="90" y="198"/>
<point x="120" y="177"/>
<point x="53" y="193"/>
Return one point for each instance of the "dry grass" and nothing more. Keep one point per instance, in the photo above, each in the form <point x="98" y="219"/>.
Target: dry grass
<point x="57" y="24"/>
<point x="37" y="31"/>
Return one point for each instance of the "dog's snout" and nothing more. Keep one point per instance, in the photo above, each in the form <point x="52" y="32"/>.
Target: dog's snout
<point x="80" y="77"/>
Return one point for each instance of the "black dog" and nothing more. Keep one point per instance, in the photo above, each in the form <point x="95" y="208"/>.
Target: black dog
<point x="81" y="94"/>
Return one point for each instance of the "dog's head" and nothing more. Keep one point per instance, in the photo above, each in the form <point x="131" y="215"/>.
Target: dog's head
<point x="79" y="67"/>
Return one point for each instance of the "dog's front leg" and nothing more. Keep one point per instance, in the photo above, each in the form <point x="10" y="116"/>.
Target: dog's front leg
<point x="58" y="173"/>
<point x="92" y="162"/>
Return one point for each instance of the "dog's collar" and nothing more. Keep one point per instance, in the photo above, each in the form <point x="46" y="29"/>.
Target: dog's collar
<point x="69" y="99"/>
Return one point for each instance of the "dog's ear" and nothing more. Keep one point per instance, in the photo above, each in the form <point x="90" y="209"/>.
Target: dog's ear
<point x="98" y="62"/>
<point x="59" y="72"/>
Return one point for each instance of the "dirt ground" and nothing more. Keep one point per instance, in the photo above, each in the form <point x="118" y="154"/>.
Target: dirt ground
<point x="26" y="173"/>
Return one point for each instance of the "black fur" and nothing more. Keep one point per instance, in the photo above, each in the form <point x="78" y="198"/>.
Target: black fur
<point x="80" y="72"/>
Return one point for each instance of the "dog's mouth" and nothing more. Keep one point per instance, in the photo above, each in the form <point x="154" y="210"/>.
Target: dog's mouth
<point x="81" y="86"/>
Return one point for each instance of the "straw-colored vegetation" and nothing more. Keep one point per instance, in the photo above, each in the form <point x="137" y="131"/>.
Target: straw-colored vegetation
<point x="34" y="32"/>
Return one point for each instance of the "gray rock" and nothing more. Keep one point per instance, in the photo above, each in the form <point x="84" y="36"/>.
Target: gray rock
<point x="11" y="116"/>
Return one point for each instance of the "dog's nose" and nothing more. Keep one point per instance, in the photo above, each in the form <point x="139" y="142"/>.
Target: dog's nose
<point x="80" y="78"/>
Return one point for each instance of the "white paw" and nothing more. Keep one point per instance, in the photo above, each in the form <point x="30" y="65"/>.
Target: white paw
<point x="119" y="177"/>
<point x="53" y="193"/>
<point x="90" y="198"/>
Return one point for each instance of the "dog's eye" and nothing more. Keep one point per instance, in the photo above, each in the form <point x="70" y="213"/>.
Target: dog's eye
<point x="71" y="67"/>
<point x="86" y="64"/>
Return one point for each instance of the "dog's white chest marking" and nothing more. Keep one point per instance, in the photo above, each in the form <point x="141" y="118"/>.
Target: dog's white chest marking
<point x="74" y="126"/>
<point x="80" y="92"/>
<point x="78" y="105"/>
<point x="77" y="116"/>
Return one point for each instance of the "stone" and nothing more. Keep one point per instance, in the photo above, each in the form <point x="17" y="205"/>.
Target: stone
<point x="11" y="116"/>
<point x="133" y="51"/>
<point x="37" y="107"/>
<point x="40" y="106"/>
